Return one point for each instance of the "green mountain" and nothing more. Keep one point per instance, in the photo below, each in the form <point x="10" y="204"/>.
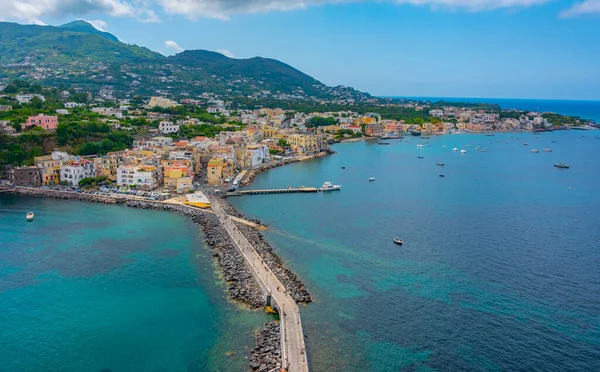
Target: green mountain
<point x="78" y="55"/>
<point x="86" y="28"/>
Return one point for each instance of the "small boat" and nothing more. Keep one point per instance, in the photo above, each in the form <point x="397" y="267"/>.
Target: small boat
<point x="343" y="167"/>
<point x="30" y="216"/>
<point x="420" y="157"/>
<point x="420" y="145"/>
<point x="383" y="143"/>
<point x="463" y="151"/>
<point x="455" y="149"/>
<point x="415" y="132"/>
<point x="425" y="137"/>
<point x="371" y="179"/>
<point x="562" y="165"/>
<point x="547" y="150"/>
<point x="444" y="146"/>
<point x="440" y="164"/>
<point x="553" y="141"/>
<point x="441" y="175"/>
<point x="398" y="241"/>
<point x="535" y="151"/>
<point x="490" y="135"/>
<point x="525" y="144"/>
<point x="328" y="186"/>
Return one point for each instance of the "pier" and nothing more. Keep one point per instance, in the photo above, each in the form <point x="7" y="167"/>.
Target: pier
<point x="293" y="351"/>
<point x="290" y="190"/>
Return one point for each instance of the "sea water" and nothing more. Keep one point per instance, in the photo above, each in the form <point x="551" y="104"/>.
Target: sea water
<point x="500" y="267"/>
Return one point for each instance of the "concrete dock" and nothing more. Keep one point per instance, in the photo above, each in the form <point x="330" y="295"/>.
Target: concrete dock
<point x="290" y="190"/>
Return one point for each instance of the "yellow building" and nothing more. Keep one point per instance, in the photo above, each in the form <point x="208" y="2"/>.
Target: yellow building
<point x="50" y="169"/>
<point x="368" y="120"/>
<point x="305" y="143"/>
<point x="107" y="166"/>
<point x="215" y="172"/>
<point x="270" y="132"/>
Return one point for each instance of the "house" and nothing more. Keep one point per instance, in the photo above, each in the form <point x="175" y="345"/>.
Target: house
<point x="6" y="128"/>
<point x="75" y="170"/>
<point x="107" y="166"/>
<point x="256" y="154"/>
<point x="161" y="102"/>
<point x="43" y="121"/>
<point x="49" y="168"/>
<point x="374" y="130"/>
<point x="26" y="176"/>
<point x="178" y="177"/>
<point x="26" y="98"/>
<point x="62" y="112"/>
<point x="5" y="108"/>
<point x="355" y="128"/>
<point x="168" y="127"/>
<point x="71" y="105"/>
<point x="143" y="176"/>
<point x="215" y="172"/>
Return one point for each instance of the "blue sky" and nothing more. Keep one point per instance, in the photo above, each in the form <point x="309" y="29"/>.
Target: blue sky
<point x="455" y="48"/>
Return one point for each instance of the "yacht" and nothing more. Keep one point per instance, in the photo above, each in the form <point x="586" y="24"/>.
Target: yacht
<point x="328" y="186"/>
<point x="30" y="216"/>
<point x="371" y="179"/>
<point x="463" y="151"/>
<point x="455" y="149"/>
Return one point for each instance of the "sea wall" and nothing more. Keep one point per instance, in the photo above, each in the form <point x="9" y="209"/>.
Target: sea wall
<point x="266" y="355"/>
<point x="252" y="173"/>
<point x="289" y="279"/>
<point x="242" y="286"/>
<point x="58" y="194"/>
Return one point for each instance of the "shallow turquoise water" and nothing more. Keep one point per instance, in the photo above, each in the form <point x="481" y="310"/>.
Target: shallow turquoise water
<point x="501" y="264"/>
<point x="88" y="287"/>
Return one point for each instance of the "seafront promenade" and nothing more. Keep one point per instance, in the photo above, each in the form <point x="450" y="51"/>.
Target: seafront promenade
<point x="293" y="351"/>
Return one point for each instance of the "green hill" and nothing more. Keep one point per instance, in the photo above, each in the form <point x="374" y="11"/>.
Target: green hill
<point x="86" y="28"/>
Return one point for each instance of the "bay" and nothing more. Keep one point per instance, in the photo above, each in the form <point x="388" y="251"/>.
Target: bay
<point x="500" y="269"/>
<point x="90" y="287"/>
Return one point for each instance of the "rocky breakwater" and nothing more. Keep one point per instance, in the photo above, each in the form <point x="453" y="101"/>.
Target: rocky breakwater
<point x="266" y="355"/>
<point x="58" y="194"/>
<point x="242" y="286"/>
<point x="289" y="279"/>
<point x="252" y="173"/>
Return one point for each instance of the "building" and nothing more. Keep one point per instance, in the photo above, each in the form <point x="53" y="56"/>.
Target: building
<point x="374" y="130"/>
<point x="355" y="128"/>
<point x="75" y="170"/>
<point x="43" y="121"/>
<point x="305" y="143"/>
<point x="107" y="166"/>
<point x="26" y="176"/>
<point x="5" y="108"/>
<point x="215" y="172"/>
<point x="62" y="112"/>
<point x="49" y="168"/>
<point x="26" y="98"/>
<point x="142" y="176"/>
<point x="161" y="102"/>
<point x="178" y="178"/>
<point x="168" y="127"/>
<point x="256" y="154"/>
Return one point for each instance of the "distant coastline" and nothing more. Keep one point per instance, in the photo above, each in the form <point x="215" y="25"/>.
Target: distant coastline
<point x="586" y="109"/>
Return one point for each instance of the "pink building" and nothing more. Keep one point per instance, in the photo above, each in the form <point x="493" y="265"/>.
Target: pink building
<point x="43" y="121"/>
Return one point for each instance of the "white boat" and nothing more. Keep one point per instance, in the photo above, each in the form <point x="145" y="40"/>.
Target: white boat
<point x="371" y="179"/>
<point x="30" y="216"/>
<point x="444" y="146"/>
<point x="535" y="151"/>
<point x="328" y="186"/>
<point x="419" y="145"/>
<point x="463" y="151"/>
<point x="455" y="149"/>
<point x="547" y="150"/>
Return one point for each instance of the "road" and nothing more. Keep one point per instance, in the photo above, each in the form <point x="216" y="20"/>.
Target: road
<point x="292" y="337"/>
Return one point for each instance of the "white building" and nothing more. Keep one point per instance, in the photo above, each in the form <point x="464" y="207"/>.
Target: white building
<point x="168" y="127"/>
<point x="153" y="142"/>
<point x="257" y="154"/>
<point x="142" y="176"/>
<point x="62" y="112"/>
<point x="76" y="170"/>
<point x="73" y="105"/>
<point x="26" y="98"/>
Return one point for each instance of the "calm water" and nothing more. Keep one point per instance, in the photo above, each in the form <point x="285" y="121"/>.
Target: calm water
<point x="501" y="264"/>
<point x="89" y="287"/>
<point x="584" y="109"/>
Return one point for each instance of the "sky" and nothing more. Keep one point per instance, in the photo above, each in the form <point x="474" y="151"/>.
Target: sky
<point x="433" y="48"/>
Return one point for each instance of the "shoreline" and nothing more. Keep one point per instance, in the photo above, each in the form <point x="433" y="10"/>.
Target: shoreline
<point x="252" y="173"/>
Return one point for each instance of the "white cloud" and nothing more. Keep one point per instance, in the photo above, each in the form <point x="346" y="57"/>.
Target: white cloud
<point x="225" y="52"/>
<point x="583" y="7"/>
<point x="98" y="24"/>
<point x="223" y="9"/>
<point x="170" y="44"/>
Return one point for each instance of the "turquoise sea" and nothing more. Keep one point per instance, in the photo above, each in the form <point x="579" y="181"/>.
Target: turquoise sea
<point x="500" y="269"/>
<point x="90" y="287"/>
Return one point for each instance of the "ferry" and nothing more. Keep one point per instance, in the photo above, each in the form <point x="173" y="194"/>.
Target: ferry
<point x="562" y="165"/>
<point x="398" y="241"/>
<point x="371" y="179"/>
<point x="328" y="186"/>
<point x="30" y="216"/>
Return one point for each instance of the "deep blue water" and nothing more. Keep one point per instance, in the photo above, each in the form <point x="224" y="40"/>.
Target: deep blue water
<point x="89" y="287"/>
<point x="500" y="269"/>
<point x="584" y="109"/>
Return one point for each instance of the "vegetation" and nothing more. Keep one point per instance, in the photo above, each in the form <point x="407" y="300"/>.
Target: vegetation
<point x="93" y="181"/>
<point x="321" y="122"/>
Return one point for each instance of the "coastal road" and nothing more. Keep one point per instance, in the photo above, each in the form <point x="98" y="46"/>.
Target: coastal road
<point x="293" y="350"/>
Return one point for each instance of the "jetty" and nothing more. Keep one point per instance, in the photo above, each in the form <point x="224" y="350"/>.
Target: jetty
<point x="293" y="350"/>
<point x="289" y="190"/>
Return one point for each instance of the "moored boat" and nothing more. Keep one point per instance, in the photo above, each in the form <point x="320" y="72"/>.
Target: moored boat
<point x="562" y="165"/>
<point x="420" y="157"/>
<point x="440" y="164"/>
<point x="547" y="150"/>
<point x="535" y="151"/>
<point x="30" y="216"/>
<point x="442" y="175"/>
<point x="463" y="151"/>
<point x="415" y="132"/>
<point x="455" y="149"/>
<point x="398" y="241"/>
<point x="328" y="186"/>
<point x="371" y="179"/>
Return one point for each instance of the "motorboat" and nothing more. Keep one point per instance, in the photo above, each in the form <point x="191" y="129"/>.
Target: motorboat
<point x="30" y="216"/>
<point x="398" y="241"/>
<point x="562" y="165"/>
<point x="525" y="144"/>
<point x="547" y="150"/>
<point x="371" y="179"/>
<point x="420" y="157"/>
<point x="328" y="186"/>
<point x="553" y="141"/>
<point x="383" y="143"/>
<point x="442" y="175"/>
<point x="440" y="164"/>
<point x="444" y="146"/>
<point x="463" y="151"/>
<point x="535" y="151"/>
<point x="420" y="145"/>
<point x="343" y="167"/>
<point x="455" y="149"/>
